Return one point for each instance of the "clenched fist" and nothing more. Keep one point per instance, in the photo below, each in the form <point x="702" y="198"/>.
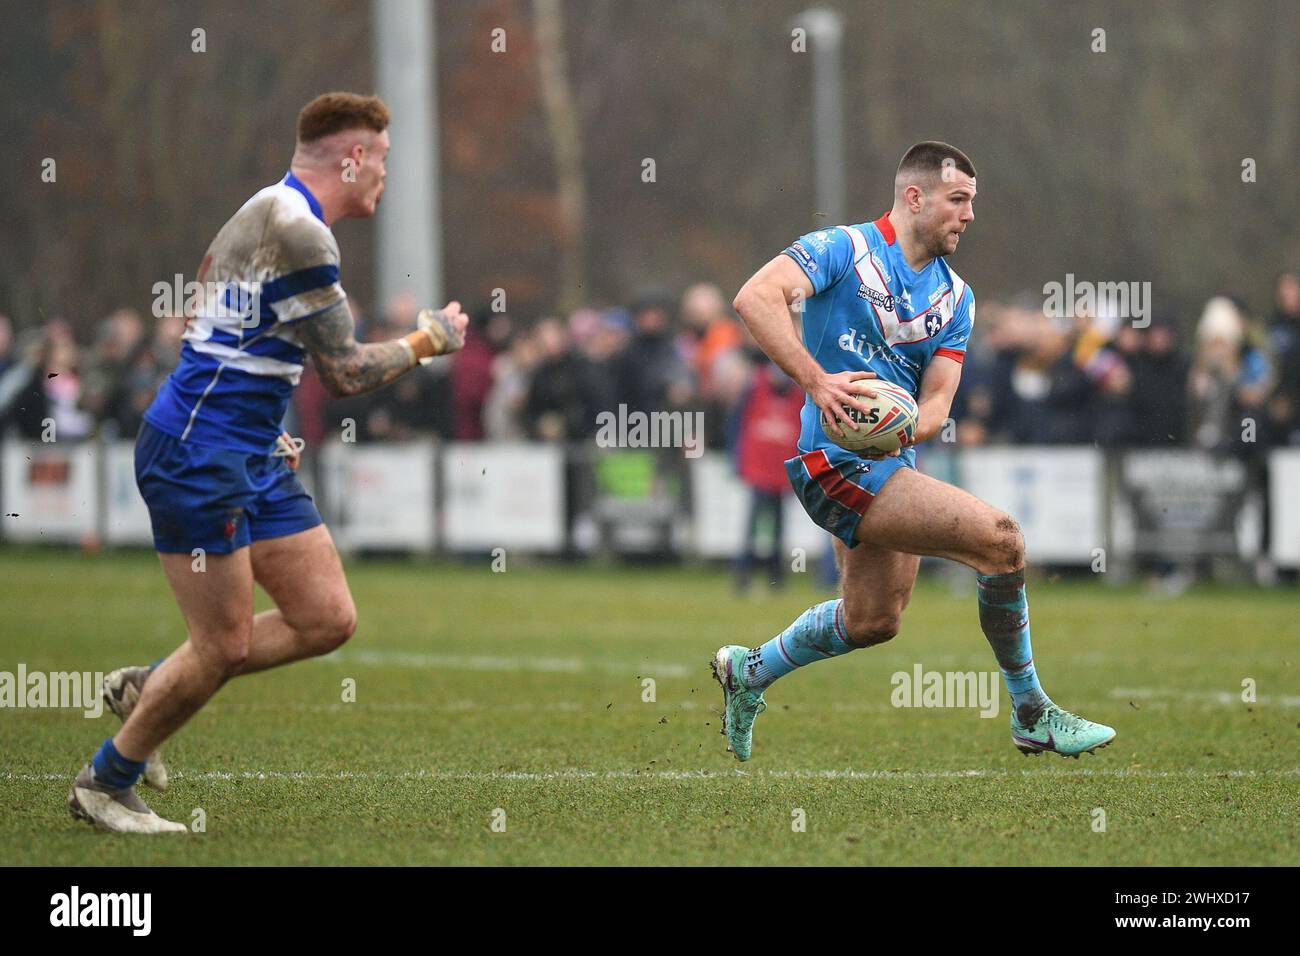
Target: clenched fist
<point x="444" y="328"/>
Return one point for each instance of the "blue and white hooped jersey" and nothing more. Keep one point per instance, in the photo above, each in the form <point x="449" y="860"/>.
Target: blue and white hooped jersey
<point x="871" y="312"/>
<point x="273" y="264"/>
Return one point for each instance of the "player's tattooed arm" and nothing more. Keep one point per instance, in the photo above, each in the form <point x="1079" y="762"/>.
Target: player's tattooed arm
<point x="346" y="366"/>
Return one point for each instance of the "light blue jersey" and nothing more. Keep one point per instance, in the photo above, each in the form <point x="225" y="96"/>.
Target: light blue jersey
<point x="871" y="312"/>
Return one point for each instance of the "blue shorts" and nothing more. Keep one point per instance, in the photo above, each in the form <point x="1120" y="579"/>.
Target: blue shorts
<point x="837" y="496"/>
<point x="218" y="500"/>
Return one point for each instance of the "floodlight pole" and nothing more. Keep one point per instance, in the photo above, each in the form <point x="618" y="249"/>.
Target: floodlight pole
<point x="826" y="28"/>
<point x="409" y="241"/>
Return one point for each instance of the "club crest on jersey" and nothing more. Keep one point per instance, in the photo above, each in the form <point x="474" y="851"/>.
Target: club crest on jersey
<point x="876" y="297"/>
<point x="933" y="323"/>
<point x="820" y="241"/>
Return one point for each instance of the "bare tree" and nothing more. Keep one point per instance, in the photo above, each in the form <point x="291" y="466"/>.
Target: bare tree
<point x="566" y="140"/>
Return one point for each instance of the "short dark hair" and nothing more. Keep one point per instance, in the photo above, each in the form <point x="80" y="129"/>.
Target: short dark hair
<point x="332" y="113"/>
<point x="932" y="156"/>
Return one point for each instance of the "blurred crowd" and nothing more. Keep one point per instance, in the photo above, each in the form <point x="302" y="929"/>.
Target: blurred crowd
<point x="52" y="387"/>
<point x="1229" y="384"/>
<point x="549" y="380"/>
<point x="1227" y="380"/>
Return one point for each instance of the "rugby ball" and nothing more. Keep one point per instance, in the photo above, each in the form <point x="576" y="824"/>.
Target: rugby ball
<point x="889" y="424"/>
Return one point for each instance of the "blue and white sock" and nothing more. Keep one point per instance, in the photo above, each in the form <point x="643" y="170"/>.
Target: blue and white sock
<point x="115" y="770"/>
<point x="1004" y="618"/>
<point x="816" y="635"/>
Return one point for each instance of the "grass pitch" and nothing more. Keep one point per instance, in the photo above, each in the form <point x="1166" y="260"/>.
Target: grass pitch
<point x="487" y="698"/>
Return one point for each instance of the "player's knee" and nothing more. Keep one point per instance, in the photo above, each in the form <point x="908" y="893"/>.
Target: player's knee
<point x="333" y="631"/>
<point x="346" y="625"/>
<point x="326" y="628"/>
<point x="1006" y="546"/>
<point x="229" y="656"/>
<point x="221" y="647"/>
<point x="868" y="630"/>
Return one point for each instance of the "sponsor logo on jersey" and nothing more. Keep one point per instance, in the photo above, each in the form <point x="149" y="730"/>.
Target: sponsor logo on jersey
<point x="803" y="256"/>
<point x="877" y="297"/>
<point x="851" y="341"/>
<point x="881" y="267"/>
<point x="937" y="294"/>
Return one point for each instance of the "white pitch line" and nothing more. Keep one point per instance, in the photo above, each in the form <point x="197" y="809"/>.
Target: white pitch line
<point x="592" y="708"/>
<point x="411" y="706"/>
<point x="529" y="776"/>
<point x="491" y="662"/>
<point x="665" y="669"/>
<point x="1151" y="698"/>
<point x="1227" y="698"/>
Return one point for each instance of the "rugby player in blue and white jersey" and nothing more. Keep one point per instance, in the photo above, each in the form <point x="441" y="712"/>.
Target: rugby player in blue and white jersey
<point x="217" y="472"/>
<point x="879" y="300"/>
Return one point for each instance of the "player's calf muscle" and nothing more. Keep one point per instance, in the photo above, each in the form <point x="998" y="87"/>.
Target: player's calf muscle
<point x="867" y="631"/>
<point x="877" y="585"/>
<point x="873" y="617"/>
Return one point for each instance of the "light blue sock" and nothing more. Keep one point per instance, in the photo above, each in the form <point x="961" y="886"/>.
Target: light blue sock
<point x="817" y="634"/>
<point x="1004" y="618"/>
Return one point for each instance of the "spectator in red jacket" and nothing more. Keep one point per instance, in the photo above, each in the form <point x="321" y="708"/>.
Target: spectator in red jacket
<point x="471" y="371"/>
<point x="766" y="430"/>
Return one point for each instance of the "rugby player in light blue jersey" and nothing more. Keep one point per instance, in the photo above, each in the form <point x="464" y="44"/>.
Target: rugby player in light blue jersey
<point x="879" y="300"/>
<point x="215" y="469"/>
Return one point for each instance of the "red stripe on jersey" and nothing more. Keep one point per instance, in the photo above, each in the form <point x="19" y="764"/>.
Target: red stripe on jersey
<point x="886" y="229"/>
<point x="837" y="487"/>
<point x="956" y="356"/>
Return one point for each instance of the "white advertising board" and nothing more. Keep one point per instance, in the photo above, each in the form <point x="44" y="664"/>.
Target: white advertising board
<point x="379" y="497"/>
<point x="1056" y="494"/>
<point x="503" y="496"/>
<point x="126" y="519"/>
<point x="720" y="512"/>
<point x="1284" y="505"/>
<point x="50" y="491"/>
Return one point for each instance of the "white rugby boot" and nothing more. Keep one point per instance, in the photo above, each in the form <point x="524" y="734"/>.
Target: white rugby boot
<point x="117" y="809"/>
